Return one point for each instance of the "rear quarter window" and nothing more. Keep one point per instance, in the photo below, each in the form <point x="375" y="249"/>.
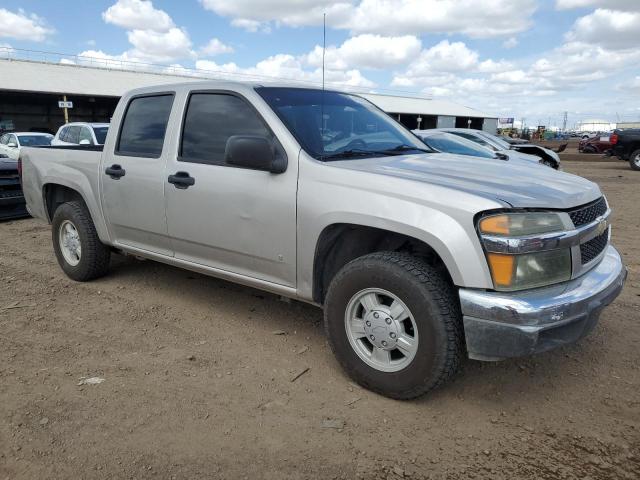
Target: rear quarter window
<point x="144" y="126"/>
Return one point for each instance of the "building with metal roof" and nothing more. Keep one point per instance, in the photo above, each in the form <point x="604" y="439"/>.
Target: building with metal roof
<point x="33" y="83"/>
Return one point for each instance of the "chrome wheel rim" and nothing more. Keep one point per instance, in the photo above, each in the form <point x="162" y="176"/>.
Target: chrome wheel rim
<point x="381" y="330"/>
<point x="69" y="240"/>
<point x="636" y="160"/>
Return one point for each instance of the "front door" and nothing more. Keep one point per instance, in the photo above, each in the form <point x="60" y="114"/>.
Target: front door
<point x="133" y="179"/>
<point x="235" y="219"/>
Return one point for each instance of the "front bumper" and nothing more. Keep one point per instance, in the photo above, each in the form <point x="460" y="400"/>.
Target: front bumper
<point x="500" y="325"/>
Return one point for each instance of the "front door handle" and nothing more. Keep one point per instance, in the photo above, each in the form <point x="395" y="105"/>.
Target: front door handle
<point x="115" y="171"/>
<point x="181" y="180"/>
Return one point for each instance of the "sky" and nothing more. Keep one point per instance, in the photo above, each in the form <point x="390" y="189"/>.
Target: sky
<point x="531" y="59"/>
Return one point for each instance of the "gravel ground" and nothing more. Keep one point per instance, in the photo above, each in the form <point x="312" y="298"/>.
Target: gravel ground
<point x="198" y="382"/>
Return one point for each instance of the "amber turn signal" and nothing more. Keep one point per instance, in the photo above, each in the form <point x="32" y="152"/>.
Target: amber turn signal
<point x="502" y="269"/>
<point x="498" y="224"/>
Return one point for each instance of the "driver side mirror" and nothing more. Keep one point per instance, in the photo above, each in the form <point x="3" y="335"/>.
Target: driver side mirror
<point x="84" y="141"/>
<point x="502" y="156"/>
<point x="12" y="144"/>
<point x="255" y="152"/>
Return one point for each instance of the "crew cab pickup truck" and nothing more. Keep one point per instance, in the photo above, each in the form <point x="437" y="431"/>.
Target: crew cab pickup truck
<point x="626" y="146"/>
<point x="418" y="258"/>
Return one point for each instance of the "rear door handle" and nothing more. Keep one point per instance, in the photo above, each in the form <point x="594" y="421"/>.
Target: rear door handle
<point x="182" y="180"/>
<point x="115" y="171"/>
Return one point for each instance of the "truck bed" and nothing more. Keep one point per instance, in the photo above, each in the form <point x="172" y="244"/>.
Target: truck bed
<point x="76" y="167"/>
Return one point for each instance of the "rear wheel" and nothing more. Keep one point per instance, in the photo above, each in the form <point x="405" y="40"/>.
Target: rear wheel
<point x="394" y="324"/>
<point x="634" y="160"/>
<point x="76" y="244"/>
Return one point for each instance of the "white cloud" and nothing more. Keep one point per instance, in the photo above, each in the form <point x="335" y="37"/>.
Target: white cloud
<point x="607" y="28"/>
<point x="215" y="47"/>
<point x="384" y="17"/>
<point x="367" y="51"/>
<point x="613" y="4"/>
<point x="137" y="15"/>
<point x="155" y="46"/>
<point x="287" y="67"/>
<point x="511" y="42"/>
<point x="251" y="25"/>
<point x="436" y="64"/>
<point x="23" y="26"/>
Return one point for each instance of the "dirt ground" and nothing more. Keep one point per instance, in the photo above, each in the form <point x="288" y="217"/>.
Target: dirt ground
<point x="198" y="382"/>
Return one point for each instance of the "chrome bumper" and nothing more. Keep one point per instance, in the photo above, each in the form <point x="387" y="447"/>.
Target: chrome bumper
<point x="499" y="325"/>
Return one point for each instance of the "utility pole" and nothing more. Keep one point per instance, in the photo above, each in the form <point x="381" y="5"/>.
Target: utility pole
<point x="66" y="110"/>
<point x="564" y="121"/>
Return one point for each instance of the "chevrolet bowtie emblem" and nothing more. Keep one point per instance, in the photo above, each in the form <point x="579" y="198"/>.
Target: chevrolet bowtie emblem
<point x="602" y="226"/>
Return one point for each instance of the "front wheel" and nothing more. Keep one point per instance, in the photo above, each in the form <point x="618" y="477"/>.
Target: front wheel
<point x="634" y="160"/>
<point x="75" y="241"/>
<point x="394" y="324"/>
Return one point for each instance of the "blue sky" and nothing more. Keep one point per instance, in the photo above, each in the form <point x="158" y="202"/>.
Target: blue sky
<point x="522" y="58"/>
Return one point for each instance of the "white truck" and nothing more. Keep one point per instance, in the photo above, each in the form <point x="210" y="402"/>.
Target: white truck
<point x="418" y="258"/>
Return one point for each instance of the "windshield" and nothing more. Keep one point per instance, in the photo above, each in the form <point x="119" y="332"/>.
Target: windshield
<point x="351" y="126"/>
<point x="447" y="143"/>
<point x="34" y="140"/>
<point x="496" y="139"/>
<point x="101" y="134"/>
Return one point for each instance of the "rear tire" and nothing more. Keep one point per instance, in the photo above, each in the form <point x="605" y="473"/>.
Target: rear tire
<point x="78" y="249"/>
<point x="433" y="321"/>
<point x="634" y="160"/>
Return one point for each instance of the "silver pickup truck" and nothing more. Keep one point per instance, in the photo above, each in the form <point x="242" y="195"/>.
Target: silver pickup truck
<point x="418" y="258"/>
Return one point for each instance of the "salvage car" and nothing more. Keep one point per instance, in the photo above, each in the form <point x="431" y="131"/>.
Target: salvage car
<point x="595" y="145"/>
<point x="448" y="143"/>
<point x="12" y="204"/>
<point x="626" y="146"/>
<point x="79" y="133"/>
<point x="417" y="259"/>
<point x="548" y="157"/>
<point x="12" y="143"/>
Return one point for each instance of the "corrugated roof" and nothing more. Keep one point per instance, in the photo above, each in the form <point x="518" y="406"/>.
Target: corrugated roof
<point x="424" y="106"/>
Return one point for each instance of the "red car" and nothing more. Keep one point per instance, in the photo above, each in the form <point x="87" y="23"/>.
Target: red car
<point x="595" y="145"/>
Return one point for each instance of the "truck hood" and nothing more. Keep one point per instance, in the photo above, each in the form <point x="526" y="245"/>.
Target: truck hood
<point x="517" y="183"/>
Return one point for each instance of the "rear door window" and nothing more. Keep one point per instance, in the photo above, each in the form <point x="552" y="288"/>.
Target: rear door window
<point x="73" y="134"/>
<point x="144" y="126"/>
<point x="85" y="134"/>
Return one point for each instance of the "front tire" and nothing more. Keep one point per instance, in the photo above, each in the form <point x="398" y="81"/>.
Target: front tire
<point x="634" y="160"/>
<point x="394" y="324"/>
<point x="76" y="244"/>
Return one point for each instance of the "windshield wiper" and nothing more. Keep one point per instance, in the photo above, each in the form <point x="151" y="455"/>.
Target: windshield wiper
<point x="356" y="152"/>
<point x="351" y="153"/>
<point x="407" y="148"/>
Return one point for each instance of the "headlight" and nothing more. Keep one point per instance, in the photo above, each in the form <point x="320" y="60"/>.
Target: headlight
<point x="524" y="270"/>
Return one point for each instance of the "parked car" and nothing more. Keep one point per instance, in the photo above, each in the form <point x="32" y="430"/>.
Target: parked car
<point x="595" y="145"/>
<point x="448" y="143"/>
<point x="547" y="157"/>
<point x="12" y="143"/>
<point x="12" y="203"/>
<point x="79" y="133"/>
<point x="626" y="146"/>
<point x="416" y="260"/>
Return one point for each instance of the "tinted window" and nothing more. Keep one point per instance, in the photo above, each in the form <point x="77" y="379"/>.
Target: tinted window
<point x="73" y="134"/>
<point x="34" y="140"/>
<point x="333" y="125"/>
<point x="144" y="126"/>
<point x="85" y="134"/>
<point x="101" y="134"/>
<point x="211" y="119"/>
<point x="475" y="139"/>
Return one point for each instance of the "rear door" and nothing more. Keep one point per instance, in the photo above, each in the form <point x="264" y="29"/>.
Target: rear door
<point x="132" y="175"/>
<point x="235" y="219"/>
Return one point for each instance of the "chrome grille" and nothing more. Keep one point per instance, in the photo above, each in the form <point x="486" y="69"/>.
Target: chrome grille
<point x="594" y="247"/>
<point x="588" y="213"/>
